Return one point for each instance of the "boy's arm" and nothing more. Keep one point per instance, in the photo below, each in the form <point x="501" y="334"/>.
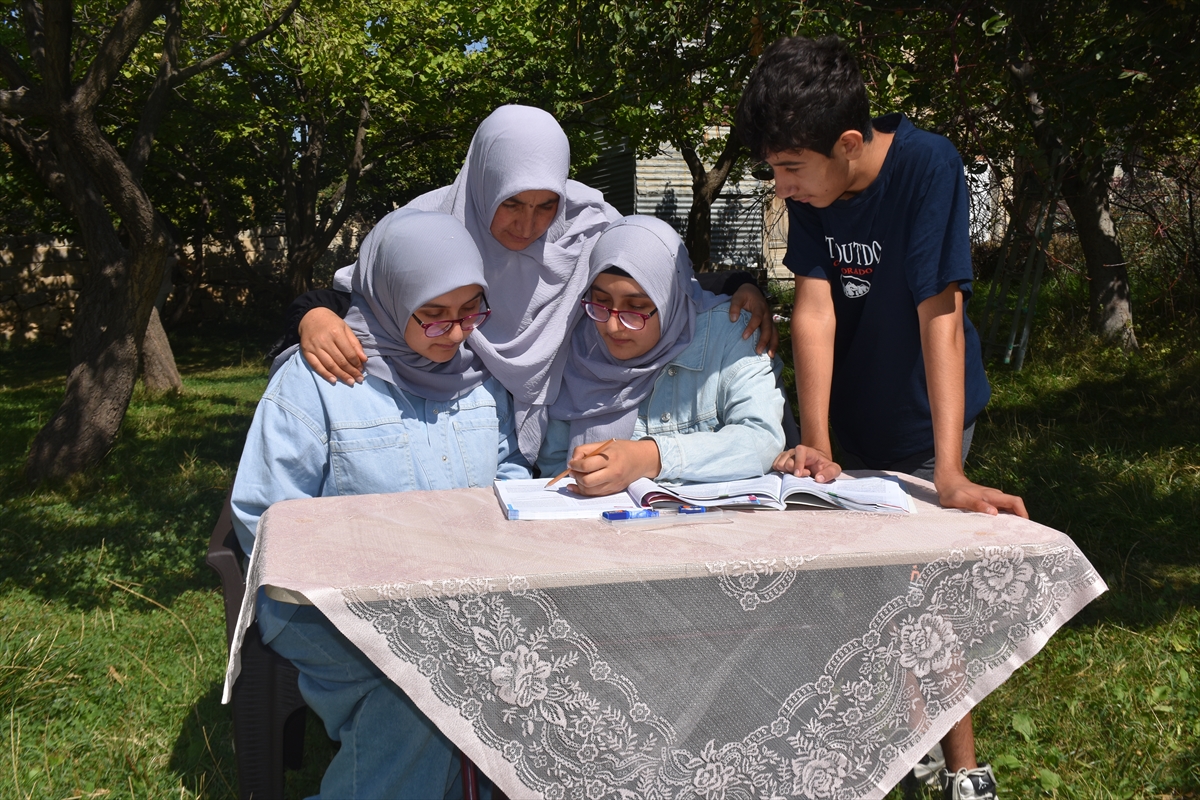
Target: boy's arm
<point x="943" y="345"/>
<point x="813" y="328"/>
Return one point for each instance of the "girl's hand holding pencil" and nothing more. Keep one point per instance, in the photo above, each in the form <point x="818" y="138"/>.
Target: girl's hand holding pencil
<point x="614" y="465"/>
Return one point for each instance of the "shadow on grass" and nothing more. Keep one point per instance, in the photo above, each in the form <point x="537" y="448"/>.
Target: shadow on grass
<point x="142" y="517"/>
<point x="203" y="754"/>
<point x="1113" y="461"/>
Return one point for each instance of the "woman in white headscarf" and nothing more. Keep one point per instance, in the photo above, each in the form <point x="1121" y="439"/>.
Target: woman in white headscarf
<point x="426" y="416"/>
<point x="534" y="229"/>
<point x="660" y="367"/>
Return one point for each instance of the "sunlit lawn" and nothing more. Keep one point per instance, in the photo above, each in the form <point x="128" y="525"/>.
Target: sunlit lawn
<point x="111" y="625"/>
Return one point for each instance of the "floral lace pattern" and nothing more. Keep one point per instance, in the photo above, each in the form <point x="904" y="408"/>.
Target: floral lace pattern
<point x="542" y="693"/>
<point x="755" y="582"/>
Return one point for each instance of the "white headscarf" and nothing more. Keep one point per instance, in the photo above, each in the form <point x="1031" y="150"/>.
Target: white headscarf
<point x="535" y="292"/>
<point x="408" y="259"/>
<point x="601" y="393"/>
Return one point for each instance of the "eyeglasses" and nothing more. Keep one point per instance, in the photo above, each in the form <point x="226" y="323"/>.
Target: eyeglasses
<point x="633" y="320"/>
<point x="443" y="326"/>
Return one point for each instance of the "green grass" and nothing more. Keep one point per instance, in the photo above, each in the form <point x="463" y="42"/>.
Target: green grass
<point x="112" y="643"/>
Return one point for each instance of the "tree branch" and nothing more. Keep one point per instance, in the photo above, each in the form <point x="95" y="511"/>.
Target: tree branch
<point x="26" y="102"/>
<point x="31" y="12"/>
<point x="38" y="154"/>
<point x="349" y="189"/>
<point x="58" y="23"/>
<point x="237" y="47"/>
<point x="156" y="104"/>
<point x="133" y="21"/>
<point x="12" y="71"/>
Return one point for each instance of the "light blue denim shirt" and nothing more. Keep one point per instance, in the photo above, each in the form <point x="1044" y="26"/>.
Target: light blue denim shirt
<point x="715" y="411"/>
<point x="311" y="438"/>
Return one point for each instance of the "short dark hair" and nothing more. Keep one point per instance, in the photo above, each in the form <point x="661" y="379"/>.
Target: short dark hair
<point x="803" y="95"/>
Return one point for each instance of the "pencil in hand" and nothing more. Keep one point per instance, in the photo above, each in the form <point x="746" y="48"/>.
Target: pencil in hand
<point x="565" y="472"/>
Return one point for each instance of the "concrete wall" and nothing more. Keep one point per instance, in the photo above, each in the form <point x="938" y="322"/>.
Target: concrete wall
<point x="40" y="278"/>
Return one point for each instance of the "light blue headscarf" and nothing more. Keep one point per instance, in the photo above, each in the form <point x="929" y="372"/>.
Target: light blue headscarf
<point x="408" y="259"/>
<point x="600" y="393"/>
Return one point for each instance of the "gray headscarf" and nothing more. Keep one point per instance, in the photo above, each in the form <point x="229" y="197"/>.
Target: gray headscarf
<point x="535" y="292"/>
<point x="408" y="259"/>
<point x="600" y="393"/>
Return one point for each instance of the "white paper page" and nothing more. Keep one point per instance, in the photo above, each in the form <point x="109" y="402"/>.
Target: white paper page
<point x="766" y="485"/>
<point x="861" y="493"/>
<point x="530" y="499"/>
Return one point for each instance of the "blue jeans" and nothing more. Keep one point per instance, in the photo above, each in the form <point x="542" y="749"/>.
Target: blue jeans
<point x="389" y="748"/>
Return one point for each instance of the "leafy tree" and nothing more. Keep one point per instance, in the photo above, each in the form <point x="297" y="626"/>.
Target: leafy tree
<point x="672" y="72"/>
<point x="1070" y="89"/>
<point x="54" y="115"/>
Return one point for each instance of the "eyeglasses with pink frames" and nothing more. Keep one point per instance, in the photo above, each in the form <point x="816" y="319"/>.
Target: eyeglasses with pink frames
<point x="633" y="320"/>
<point x="440" y="328"/>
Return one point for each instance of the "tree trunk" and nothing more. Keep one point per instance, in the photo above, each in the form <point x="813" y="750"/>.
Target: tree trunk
<point x="159" y="372"/>
<point x="706" y="186"/>
<point x="1110" y="309"/>
<point x="109" y="321"/>
<point x="86" y="173"/>
<point x="699" y="231"/>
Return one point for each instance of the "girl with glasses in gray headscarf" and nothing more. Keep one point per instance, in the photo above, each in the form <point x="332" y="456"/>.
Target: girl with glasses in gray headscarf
<point x="660" y="367"/>
<point x="426" y="416"/>
<point x="534" y="229"/>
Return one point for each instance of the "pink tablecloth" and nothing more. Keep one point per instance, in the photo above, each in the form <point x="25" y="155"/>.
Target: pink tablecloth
<point x="808" y="654"/>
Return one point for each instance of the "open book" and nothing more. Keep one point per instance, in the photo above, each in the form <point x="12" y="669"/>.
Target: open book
<point x="530" y="499"/>
<point x="777" y="490"/>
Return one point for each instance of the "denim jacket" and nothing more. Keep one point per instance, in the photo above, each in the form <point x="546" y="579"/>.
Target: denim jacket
<point x="714" y="412"/>
<point x="310" y="438"/>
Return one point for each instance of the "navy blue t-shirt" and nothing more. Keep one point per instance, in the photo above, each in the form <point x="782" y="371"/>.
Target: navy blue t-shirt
<point x="900" y="241"/>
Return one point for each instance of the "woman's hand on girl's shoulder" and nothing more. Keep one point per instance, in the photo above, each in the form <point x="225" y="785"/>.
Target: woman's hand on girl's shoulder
<point x="762" y="319"/>
<point x="331" y="348"/>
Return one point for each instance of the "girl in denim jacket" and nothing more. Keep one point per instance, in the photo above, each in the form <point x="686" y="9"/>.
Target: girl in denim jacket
<point x="662" y="369"/>
<point x="427" y="416"/>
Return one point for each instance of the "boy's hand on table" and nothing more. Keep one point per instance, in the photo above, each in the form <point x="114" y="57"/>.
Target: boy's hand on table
<point x="331" y="348"/>
<point x="611" y="471"/>
<point x="762" y="319"/>
<point x="804" y="462"/>
<point x="959" y="492"/>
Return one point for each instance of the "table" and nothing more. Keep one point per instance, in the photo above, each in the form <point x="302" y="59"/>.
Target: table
<point x="808" y="654"/>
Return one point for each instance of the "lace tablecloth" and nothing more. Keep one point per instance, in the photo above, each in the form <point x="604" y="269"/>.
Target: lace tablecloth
<point x="808" y="654"/>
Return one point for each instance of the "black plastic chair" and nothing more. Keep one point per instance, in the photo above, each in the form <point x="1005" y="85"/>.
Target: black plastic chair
<point x="269" y="714"/>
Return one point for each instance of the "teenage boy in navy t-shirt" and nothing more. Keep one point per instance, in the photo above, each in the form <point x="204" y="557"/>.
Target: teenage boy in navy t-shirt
<point x="879" y="242"/>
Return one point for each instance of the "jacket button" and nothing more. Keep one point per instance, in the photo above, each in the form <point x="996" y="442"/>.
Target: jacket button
<point x="443" y="458"/>
<point x="672" y="371"/>
<point x="666" y="417"/>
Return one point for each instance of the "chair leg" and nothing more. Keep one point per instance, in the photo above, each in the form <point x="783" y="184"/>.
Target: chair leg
<point x="268" y="720"/>
<point x="470" y="777"/>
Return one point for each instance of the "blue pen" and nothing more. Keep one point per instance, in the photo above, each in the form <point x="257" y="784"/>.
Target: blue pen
<point x="645" y="513"/>
<point x="692" y="509"/>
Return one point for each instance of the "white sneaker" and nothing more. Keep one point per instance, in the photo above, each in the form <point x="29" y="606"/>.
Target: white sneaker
<point x="969" y="784"/>
<point x="931" y="764"/>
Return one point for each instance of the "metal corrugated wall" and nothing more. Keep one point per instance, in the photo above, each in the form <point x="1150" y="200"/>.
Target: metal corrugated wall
<point x="613" y="173"/>
<point x="664" y="190"/>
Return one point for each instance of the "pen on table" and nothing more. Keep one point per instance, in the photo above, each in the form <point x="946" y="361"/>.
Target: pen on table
<point x="645" y="513"/>
<point x="564" y="473"/>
